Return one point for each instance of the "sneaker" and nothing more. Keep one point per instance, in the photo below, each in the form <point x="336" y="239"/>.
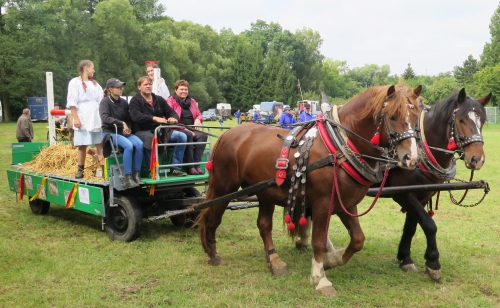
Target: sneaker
<point x="136" y="177"/>
<point x="177" y="172"/>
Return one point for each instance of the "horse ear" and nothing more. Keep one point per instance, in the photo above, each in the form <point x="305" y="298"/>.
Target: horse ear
<point x="461" y="95"/>
<point x="417" y="91"/>
<point x="391" y="90"/>
<point x="485" y="100"/>
<point x="324" y="98"/>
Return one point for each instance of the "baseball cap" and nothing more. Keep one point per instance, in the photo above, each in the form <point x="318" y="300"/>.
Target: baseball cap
<point x="287" y="108"/>
<point x="115" y="83"/>
<point x="307" y="105"/>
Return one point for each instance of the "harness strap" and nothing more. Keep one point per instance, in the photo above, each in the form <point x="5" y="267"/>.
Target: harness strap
<point x="325" y="161"/>
<point x="282" y="161"/>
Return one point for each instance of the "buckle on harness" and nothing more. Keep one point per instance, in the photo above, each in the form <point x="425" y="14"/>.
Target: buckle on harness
<point x="282" y="163"/>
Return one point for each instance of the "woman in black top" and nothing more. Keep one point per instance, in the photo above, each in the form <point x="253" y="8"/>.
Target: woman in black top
<point x="114" y="111"/>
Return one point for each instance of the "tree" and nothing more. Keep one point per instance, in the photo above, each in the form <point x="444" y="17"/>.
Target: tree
<point x="491" y="51"/>
<point x="465" y="74"/>
<point x="409" y="73"/>
<point x="487" y="81"/>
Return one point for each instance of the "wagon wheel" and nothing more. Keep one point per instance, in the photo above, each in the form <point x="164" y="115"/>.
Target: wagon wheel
<point x="123" y="221"/>
<point x="188" y="219"/>
<point x="39" y="207"/>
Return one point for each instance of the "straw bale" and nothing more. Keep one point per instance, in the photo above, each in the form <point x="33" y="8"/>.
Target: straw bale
<point x="60" y="159"/>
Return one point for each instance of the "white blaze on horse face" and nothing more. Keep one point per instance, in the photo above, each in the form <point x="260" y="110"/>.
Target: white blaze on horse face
<point x="413" y="147"/>
<point x="476" y="120"/>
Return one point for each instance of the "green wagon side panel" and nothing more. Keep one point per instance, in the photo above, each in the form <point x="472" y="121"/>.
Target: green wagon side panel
<point x="26" y="151"/>
<point x="89" y="199"/>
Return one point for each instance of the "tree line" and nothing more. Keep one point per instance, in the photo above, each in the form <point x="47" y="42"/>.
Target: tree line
<point x="264" y="63"/>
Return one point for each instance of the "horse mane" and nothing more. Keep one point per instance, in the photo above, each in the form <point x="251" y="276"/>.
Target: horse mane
<point x="396" y="102"/>
<point x="446" y="106"/>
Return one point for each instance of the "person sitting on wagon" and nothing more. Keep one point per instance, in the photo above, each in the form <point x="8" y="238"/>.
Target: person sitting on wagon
<point x="306" y="115"/>
<point x="148" y="111"/>
<point x="114" y="111"/>
<point x="287" y="118"/>
<point x="189" y="114"/>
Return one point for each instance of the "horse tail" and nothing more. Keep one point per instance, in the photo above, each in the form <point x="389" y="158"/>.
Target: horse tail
<point x="201" y="221"/>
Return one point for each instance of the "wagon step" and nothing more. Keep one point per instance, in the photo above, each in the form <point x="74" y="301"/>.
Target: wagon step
<point x="391" y="191"/>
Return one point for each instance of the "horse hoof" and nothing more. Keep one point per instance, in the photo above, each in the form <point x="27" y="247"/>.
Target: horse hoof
<point x="279" y="269"/>
<point x="215" y="260"/>
<point x="433" y="274"/>
<point x="328" y="291"/>
<point x="409" y="268"/>
<point x="300" y="246"/>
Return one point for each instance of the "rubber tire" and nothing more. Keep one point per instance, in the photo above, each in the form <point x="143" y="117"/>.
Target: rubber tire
<point x="123" y="222"/>
<point x="187" y="220"/>
<point x="39" y="207"/>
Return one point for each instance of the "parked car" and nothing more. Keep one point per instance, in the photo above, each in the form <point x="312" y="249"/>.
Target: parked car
<point x="208" y="116"/>
<point x="265" y="117"/>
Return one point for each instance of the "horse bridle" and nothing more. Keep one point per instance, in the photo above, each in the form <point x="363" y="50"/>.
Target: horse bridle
<point x="393" y="136"/>
<point x="462" y="140"/>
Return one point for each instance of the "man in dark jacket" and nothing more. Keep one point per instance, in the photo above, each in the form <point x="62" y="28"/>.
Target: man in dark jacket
<point x="24" y="128"/>
<point x="148" y="111"/>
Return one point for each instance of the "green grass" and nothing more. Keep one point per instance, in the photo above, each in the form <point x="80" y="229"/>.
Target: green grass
<point x="63" y="259"/>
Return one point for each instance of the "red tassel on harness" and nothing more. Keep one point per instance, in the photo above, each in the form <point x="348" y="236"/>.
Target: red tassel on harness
<point x="288" y="218"/>
<point x="291" y="227"/>
<point x="303" y="221"/>
<point x="209" y="166"/>
<point x="431" y="213"/>
<point x="452" y="145"/>
<point x="375" y="139"/>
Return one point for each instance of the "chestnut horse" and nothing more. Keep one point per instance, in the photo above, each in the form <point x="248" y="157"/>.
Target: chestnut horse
<point x="247" y="154"/>
<point x="454" y="123"/>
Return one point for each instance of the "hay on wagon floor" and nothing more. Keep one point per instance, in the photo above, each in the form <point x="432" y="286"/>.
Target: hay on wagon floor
<point x="60" y="159"/>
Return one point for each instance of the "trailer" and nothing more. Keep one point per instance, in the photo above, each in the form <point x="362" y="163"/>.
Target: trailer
<point x="120" y="210"/>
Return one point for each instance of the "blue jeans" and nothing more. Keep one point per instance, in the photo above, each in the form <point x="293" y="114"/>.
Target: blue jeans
<point x="176" y="137"/>
<point x="179" y="137"/>
<point x="132" y="151"/>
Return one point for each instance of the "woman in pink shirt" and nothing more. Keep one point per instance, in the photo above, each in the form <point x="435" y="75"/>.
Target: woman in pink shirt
<point x="189" y="114"/>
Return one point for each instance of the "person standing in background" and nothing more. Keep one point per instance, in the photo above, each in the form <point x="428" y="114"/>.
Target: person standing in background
<point x="306" y="115"/>
<point x="84" y="95"/>
<point x="287" y="118"/>
<point x="24" y="129"/>
<point x="150" y="69"/>
<point x="237" y="114"/>
<point x="255" y="116"/>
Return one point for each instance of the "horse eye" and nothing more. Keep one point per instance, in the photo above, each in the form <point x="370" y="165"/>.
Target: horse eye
<point x="461" y="121"/>
<point x="393" y="118"/>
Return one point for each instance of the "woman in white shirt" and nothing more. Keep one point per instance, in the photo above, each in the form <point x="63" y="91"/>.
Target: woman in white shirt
<point x="150" y="69"/>
<point x="84" y="95"/>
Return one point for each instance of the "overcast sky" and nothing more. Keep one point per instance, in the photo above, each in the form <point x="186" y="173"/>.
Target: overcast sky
<point x="433" y="35"/>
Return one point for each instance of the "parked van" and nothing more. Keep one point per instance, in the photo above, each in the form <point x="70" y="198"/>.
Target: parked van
<point x="38" y="108"/>
<point x="274" y="108"/>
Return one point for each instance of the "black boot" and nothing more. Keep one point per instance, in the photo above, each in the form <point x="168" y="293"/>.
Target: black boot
<point x="79" y="173"/>
<point x="136" y="177"/>
<point x="128" y="182"/>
